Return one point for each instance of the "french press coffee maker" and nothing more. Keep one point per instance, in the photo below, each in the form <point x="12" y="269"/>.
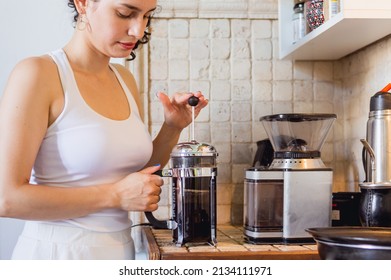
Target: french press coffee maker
<point x="193" y="175"/>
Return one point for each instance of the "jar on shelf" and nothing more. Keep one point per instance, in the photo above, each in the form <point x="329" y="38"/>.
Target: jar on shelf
<point x="314" y="13"/>
<point x="334" y="7"/>
<point x="299" y="22"/>
<point x="330" y="8"/>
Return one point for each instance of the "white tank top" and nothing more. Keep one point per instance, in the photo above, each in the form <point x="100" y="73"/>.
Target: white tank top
<point x="83" y="148"/>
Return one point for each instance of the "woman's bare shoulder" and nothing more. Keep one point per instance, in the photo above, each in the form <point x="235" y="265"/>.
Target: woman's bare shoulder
<point x="35" y="73"/>
<point x="36" y="66"/>
<point x="34" y="79"/>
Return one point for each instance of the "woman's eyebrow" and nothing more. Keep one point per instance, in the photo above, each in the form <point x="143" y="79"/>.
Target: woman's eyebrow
<point x="131" y="7"/>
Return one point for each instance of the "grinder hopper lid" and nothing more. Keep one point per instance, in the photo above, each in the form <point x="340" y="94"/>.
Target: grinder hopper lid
<point x="297" y="132"/>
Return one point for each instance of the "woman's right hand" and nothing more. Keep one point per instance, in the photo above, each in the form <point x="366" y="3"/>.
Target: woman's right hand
<point x="139" y="191"/>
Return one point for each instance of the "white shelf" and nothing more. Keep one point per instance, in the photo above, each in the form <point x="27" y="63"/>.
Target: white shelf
<point x="360" y="23"/>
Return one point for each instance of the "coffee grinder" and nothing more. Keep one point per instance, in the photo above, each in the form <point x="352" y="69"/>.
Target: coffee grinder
<point x="294" y="192"/>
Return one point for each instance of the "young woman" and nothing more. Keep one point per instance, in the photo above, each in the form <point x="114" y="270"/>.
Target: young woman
<point x="75" y="154"/>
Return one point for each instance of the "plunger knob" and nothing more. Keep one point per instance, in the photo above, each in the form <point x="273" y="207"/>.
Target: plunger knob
<point x="193" y="101"/>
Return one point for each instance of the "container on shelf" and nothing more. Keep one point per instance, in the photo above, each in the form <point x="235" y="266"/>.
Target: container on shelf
<point x="314" y="13"/>
<point x="331" y="8"/>
<point x="299" y="22"/>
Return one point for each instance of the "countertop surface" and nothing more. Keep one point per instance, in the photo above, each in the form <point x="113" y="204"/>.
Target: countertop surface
<point x="230" y="245"/>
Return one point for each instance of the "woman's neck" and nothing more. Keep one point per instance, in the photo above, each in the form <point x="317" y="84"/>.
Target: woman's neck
<point x="84" y="58"/>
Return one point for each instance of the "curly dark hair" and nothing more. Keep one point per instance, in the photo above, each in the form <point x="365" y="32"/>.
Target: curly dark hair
<point x="145" y="39"/>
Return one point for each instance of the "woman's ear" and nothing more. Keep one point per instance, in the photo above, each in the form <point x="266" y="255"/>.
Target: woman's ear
<point x="81" y="6"/>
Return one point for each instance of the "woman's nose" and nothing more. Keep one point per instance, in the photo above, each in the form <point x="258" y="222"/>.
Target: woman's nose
<point x="137" y="28"/>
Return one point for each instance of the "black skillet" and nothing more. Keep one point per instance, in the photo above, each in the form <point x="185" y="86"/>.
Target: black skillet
<point x="353" y="243"/>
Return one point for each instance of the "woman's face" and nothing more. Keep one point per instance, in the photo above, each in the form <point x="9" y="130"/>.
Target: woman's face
<point x="116" y="25"/>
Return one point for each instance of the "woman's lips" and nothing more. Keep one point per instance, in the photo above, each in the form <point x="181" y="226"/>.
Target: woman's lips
<point x="127" y="46"/>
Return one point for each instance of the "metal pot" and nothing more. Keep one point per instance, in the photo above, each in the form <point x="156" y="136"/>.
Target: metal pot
<point x="353" y="243"/>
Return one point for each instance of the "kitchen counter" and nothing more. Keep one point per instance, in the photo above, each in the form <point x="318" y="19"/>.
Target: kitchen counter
<point x="230" y="246"/>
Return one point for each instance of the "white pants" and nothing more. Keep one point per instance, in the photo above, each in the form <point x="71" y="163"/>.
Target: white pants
<point x="40" y="241"/>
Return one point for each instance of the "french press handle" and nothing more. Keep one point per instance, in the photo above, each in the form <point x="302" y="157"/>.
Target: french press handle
<point x="168" y="224"/>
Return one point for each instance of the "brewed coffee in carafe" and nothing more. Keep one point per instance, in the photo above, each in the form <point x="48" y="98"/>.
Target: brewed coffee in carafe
<point x="196" y="226"/>
<point x="194" y="198"/>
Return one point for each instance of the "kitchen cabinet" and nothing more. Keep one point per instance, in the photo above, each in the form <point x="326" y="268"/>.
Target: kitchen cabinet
<point x="358" y="24"/>
<point x="230" y="246"/>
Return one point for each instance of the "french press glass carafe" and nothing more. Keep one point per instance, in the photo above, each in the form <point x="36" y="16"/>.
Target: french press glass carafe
<point x="193" y="172"/>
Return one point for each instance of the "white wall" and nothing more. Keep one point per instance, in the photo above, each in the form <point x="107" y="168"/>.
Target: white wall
<point x="31" y="28"/>
<point x="28" y="28"/>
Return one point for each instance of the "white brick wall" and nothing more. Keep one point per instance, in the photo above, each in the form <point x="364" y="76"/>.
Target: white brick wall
<point x="218" y="8"/>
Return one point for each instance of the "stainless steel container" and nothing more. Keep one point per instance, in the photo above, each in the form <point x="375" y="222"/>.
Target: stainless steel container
<point x="378" y="166"/>
<point x="375" y="207"/>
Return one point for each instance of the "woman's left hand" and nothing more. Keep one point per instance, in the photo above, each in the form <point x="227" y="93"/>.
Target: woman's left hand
<point x="177" y="111"/>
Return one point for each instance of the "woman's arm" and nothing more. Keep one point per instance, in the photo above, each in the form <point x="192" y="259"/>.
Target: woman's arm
<point x="28" y="106"/>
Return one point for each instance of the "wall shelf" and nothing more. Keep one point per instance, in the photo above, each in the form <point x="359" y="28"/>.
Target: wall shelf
<point x="358" y="24"/>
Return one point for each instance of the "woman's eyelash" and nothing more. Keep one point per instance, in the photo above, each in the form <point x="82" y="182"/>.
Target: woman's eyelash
<point x="124" y="16"/>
